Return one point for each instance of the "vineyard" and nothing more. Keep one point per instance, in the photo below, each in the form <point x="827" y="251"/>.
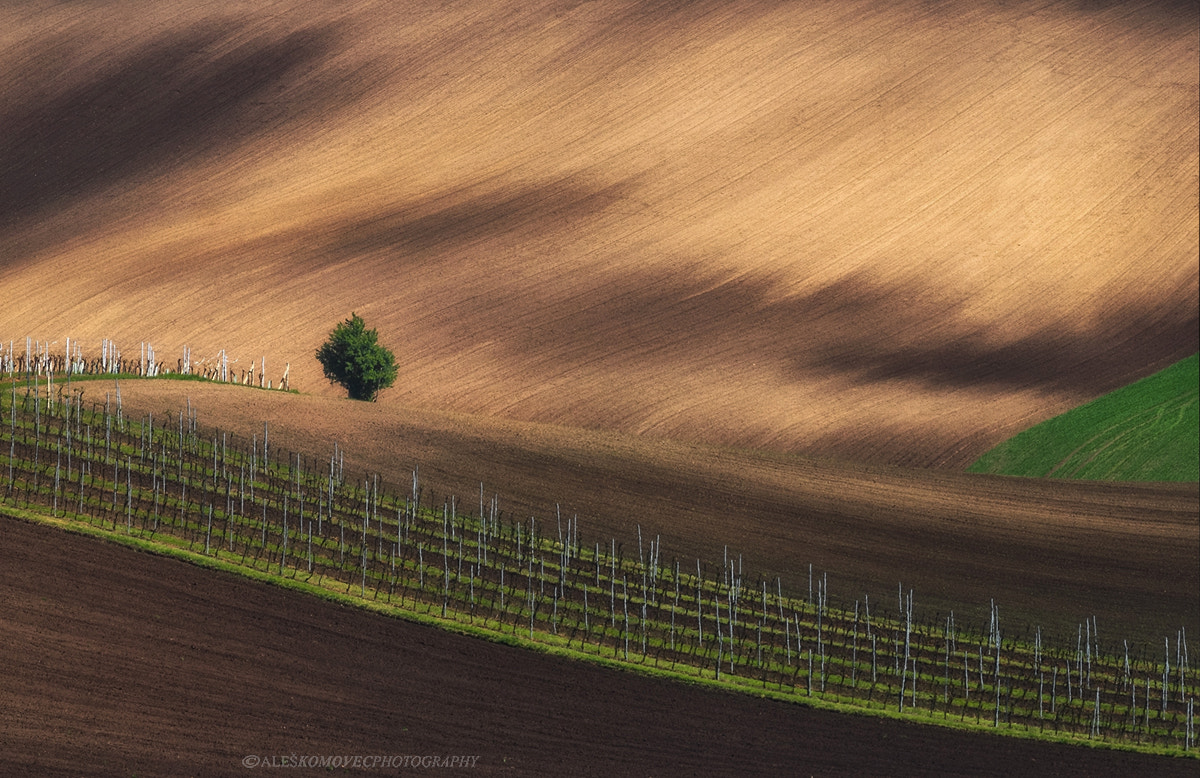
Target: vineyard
<point x="38" y="359"/>
<point x="628" y="601"/>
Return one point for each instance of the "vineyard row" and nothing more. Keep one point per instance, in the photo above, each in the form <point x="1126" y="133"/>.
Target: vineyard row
<point x="244" y="502"/>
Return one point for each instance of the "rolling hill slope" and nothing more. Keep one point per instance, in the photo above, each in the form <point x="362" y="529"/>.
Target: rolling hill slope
<point x="1148" y="431"/>
<point x="892" y="232"/>
<point x="154" y="667"/>
<point x="755" y="275"/>
<point x="1049" y="552"/>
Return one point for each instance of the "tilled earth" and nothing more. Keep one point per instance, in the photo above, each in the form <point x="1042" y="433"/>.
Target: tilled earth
<point x="886" y="233"/>
<point x="892" y="232"/>
<point x="116" y="662"/>
<point x="1049" y="553"/>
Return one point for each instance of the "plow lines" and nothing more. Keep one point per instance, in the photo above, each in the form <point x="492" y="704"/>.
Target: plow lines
<point x="627" y="602"/>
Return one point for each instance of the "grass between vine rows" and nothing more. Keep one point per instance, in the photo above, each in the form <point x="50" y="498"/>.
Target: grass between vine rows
<point x="174" y="489"/>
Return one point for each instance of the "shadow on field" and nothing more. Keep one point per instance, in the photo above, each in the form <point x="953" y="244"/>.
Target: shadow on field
<point x="866" y="331"/>
<point x="161" y="107"/>
<point x="429" y="225"/>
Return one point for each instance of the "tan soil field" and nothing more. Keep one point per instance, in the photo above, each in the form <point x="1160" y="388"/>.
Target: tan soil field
<point x="756" y="275"/>
<point x="892" y="232"/>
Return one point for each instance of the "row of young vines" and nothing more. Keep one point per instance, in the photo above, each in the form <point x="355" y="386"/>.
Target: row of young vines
<point x="40" y="361"/>
<point x="248" y="503"/>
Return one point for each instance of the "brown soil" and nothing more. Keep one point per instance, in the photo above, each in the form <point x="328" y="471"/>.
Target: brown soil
<point x="1049" y="552"/>
<point x="122" y="663"/>
<point x="634" y="258"/>
<point x="893" y="232"/>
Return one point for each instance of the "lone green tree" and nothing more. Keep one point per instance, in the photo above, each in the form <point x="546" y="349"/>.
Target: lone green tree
<point x="353" y="358"/>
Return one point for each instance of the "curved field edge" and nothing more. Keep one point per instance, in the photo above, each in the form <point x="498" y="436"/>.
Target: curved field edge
<point x="954" y="537"/>
<point x="1146" y="431"/>
<point x="366" y="682"/>
<point x="553" y="646"/>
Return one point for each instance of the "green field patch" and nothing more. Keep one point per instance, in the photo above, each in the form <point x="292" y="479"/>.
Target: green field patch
<point x="1146" y="431"/>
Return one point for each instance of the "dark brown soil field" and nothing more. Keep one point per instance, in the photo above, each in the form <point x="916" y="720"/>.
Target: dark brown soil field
<point x="121" y="663"/>
<point x="753" y="274"/>
<point x="1049" y="552"/>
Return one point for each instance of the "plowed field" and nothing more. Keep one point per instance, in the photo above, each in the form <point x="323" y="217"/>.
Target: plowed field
<point x="1050" y="552"/>
<point x="893" y="232"/>
<point x="119" y="663"/>
<point x="731" y="272"/>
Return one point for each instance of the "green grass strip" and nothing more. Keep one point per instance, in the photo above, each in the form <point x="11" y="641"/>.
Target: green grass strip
<point x="554" y="645"/>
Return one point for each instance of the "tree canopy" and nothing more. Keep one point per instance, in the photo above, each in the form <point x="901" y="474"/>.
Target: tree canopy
<point x="353" y="357"/>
